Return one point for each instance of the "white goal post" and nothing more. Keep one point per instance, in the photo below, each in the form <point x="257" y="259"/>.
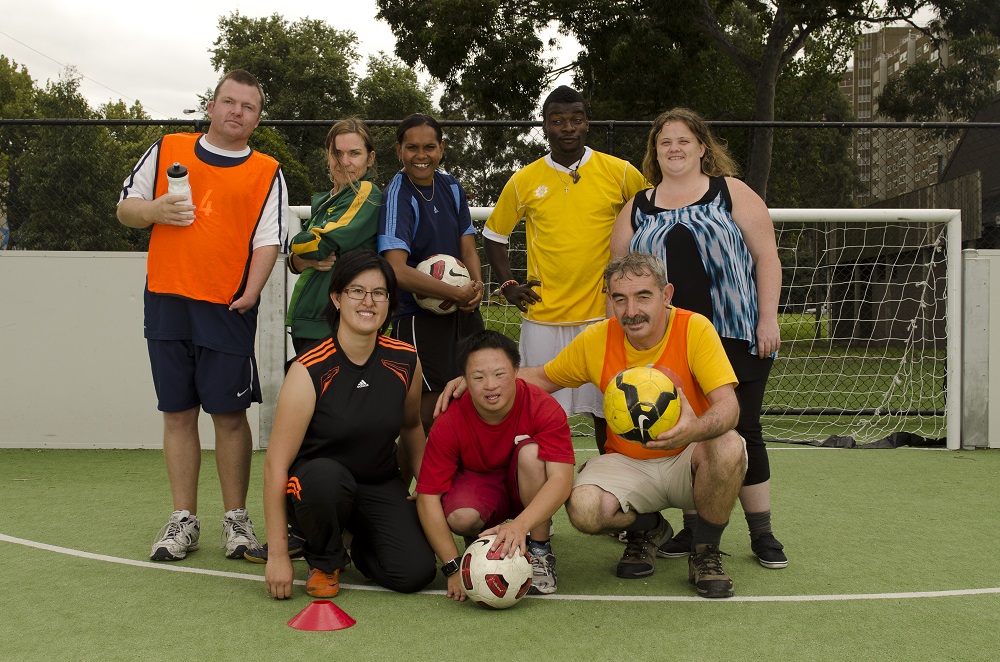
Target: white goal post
<point x="900" y="240"/>
<point x="916" y="324"/>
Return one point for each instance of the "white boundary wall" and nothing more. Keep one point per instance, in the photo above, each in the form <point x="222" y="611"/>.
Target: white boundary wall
<point x="75" y="373"/>
<point x="981" y="379"/>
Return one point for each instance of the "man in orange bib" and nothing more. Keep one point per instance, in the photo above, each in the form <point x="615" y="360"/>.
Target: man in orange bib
<point x="698" y="464"/>
<point x="206" y="267"/>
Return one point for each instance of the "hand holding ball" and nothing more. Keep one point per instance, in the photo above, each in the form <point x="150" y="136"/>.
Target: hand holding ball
<point x="640" y="403"/>
<point x="446" y="269"/>
<point x="490" y="579"/>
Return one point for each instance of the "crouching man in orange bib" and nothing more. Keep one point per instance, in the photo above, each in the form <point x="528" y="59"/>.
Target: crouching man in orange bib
<point x="697" y="464"/>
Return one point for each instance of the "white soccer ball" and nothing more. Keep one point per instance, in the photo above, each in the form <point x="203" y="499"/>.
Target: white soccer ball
<point x="446" y="269"/>
<point x="492" y="580"/>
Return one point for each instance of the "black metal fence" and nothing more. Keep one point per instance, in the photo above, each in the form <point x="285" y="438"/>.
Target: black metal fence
<point x="60" y="181"/>
<point x="67" y="173"/>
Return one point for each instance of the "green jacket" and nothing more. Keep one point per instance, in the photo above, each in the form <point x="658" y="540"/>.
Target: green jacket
<point x="339" y="223"/>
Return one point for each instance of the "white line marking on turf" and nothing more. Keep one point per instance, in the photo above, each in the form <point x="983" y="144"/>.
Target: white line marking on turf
<point x="803" y="447"/>
<point x="588" y="598"/>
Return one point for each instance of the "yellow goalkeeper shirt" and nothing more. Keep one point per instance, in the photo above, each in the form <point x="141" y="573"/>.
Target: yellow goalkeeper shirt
<point x="568" y="230"/>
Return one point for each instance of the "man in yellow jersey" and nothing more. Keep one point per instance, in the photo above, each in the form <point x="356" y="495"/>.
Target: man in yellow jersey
<point x="568" y="199"/>
<point x="207" y="265"/>
<point x="698" y="464"/>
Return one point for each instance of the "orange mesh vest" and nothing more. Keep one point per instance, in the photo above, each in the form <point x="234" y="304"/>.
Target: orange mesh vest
<point x="208" y="260"/>
<point x="674" y="357"/>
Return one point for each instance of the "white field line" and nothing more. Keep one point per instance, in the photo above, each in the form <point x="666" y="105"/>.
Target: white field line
<point x="591" y="598"/>
<point x="807" y="447"/>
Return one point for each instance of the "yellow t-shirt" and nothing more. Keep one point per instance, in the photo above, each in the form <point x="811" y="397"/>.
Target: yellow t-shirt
<point x="568" y="230"/>
<point x="582" y="360"/>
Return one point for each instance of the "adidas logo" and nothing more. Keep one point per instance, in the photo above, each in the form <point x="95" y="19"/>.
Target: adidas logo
<point x="362" y="384"/>
<point x="435" y="209"/>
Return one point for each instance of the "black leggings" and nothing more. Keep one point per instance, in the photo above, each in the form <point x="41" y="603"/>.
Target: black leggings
<point x="389" y="545"/>
<point x="752" y="373"/>
<point x="682" y="256"/>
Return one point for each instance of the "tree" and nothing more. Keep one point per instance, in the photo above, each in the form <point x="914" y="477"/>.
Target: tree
<point x="17" y="101"/>
<point x="390" y="90"/>
<point x="459" y="40"/>
<point x="61" y="193"/>
<point x="64" y="188"/>
<point x="71" y="177"/>
<point x="483" y="158"/>
<point x="272" y="141"/>
<point x="928" y="91"/>
<point x="488" y="53"/>
<point x="305" y="68"/>
<point x="792" y="24"/>
<point x="814" y="167"/>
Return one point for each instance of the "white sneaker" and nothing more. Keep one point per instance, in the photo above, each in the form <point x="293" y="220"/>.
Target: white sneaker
<point x="237" y="534"/>
<point x="543" y="570"/>
<point x="177" y="537"/>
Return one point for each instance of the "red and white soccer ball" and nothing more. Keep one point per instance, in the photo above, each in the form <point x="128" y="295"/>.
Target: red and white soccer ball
<point x="446" y="269"/>
<point x="492" y="580"/>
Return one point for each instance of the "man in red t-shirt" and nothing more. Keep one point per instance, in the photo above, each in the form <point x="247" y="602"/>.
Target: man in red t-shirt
<point x="502" y="450"/>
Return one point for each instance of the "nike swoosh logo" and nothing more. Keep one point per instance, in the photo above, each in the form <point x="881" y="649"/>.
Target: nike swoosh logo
<point x="642" y="424"/>
<point x="242" y="393"/>
<point x="458" y="274"/>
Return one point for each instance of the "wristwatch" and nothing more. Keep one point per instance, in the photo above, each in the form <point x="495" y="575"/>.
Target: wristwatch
<point x="451" y="567"/>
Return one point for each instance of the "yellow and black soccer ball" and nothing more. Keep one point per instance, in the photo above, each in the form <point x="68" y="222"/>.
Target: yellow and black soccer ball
<point x="640" y="403"/>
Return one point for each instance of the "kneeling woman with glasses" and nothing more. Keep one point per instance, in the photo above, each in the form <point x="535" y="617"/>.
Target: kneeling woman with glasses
<point x="331" y="460"/>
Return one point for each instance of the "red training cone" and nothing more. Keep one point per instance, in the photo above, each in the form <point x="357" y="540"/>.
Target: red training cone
<point x="321" y="616"/>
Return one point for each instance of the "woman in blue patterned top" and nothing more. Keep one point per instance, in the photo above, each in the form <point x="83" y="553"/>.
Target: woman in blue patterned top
<point x="717" y="239"/>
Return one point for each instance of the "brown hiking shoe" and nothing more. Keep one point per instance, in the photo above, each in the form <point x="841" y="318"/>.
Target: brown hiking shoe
<point x="705" y="571"/>
<point x="640" y="550"/>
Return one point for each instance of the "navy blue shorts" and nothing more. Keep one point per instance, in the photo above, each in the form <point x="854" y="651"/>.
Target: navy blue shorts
<point x="186" y="375"/>
<point x="436" y="339"/>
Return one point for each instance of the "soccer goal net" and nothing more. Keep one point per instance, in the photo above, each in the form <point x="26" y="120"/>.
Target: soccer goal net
<point x="870" y="321"/>
<point x="866" y="322"/>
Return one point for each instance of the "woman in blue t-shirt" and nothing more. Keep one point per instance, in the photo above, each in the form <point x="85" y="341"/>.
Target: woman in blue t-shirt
<point x="425" y="212"/>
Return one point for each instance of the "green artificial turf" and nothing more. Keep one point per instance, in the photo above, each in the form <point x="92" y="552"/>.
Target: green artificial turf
<point x="853" y="522"/>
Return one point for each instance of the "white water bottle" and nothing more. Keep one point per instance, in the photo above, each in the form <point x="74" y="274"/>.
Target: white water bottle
<point x="177" y="183"/>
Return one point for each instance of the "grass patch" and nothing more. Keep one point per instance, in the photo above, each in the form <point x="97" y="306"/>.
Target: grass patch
<point x="64" y="607"/>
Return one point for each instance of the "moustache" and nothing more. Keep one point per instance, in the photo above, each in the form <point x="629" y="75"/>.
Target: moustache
<point x="637" y="319"/>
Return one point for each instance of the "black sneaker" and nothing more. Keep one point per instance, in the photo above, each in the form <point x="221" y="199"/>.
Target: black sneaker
<point x="768" y="551"/>
<point x="677" y="547"/>
<point x="705" y="571"/>
<point x="296" y="543"/>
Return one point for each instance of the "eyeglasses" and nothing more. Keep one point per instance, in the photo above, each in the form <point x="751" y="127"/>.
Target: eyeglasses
<point x="358" y="293"/>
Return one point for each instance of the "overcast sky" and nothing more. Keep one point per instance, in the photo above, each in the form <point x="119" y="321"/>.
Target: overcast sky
<point x="156" y="52"/>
